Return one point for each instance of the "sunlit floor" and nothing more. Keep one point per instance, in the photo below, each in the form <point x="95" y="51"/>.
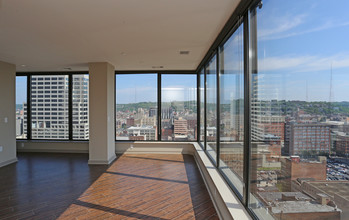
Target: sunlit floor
<point x="63" y="186"/>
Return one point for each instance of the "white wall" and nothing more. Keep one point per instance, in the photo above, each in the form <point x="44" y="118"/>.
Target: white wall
<point x="101" y="113"/>
<point x="8" y="111"/>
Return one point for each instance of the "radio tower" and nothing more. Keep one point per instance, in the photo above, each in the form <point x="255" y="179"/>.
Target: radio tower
<point x="331" y="95"/>
<point x="306" y="91"/>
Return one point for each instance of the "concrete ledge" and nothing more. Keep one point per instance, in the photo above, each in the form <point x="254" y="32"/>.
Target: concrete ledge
<point x="224" y="199"/>
<point x="8" y="162"/>
<point x="139" y="147"/>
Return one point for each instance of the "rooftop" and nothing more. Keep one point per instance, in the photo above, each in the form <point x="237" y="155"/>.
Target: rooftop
<point x="333" y="187"/>
<point x="301" y="207"/>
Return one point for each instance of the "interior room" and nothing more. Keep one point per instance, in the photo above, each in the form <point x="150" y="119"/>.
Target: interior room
<point x="187" y="109"/>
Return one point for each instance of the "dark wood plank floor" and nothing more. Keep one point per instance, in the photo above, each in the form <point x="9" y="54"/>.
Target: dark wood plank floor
<point x="63" y="186"/>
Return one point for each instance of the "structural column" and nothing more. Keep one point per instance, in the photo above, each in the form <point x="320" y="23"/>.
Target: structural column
<point x="7" y="113"/>
<point x="101" y="113"/>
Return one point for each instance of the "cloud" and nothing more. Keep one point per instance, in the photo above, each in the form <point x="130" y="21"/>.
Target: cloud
<point x="325" y="26"/>
<point x="303" y="63"/>
<point x="281" y="25"/>
<point x="289" y="25"/>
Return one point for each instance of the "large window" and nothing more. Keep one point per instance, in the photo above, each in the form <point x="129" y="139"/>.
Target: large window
<point x="178" y="107"/>
<point x="57" y="108"/>
<point x="136" y="107"/>
<point x="21" y="107"/>
<point x="232" y="109"/>
<point x="281" y="104"/>
<point x="211" y="108"/>
<point x="299" y="102"/>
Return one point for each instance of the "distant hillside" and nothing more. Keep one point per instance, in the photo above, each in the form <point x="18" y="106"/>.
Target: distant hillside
<point x="146" y="105"/>
<point x="19" y="106"/>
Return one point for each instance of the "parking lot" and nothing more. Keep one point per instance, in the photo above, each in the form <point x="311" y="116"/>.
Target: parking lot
<point x="337" y="171"/>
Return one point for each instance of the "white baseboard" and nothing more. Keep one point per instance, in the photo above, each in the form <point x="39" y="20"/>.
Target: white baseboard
<point x="102" y="162"/>
<point x="7" y="162"/>
<point x="52" y="151"/>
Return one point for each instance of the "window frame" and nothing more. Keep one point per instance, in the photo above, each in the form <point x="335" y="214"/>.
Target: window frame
<point x="240" y="16"/>
<point x="159" y="77"/>
<point x="70" y="104"/>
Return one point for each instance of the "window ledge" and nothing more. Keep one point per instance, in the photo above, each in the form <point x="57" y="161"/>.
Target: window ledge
<point x="227" y="204"/>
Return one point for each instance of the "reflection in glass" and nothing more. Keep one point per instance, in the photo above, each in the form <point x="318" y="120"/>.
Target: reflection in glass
<point x="178" y="107"/>
<point x="232" y="109"/>
<point x="136" y="106"/>
<point x="299" y="110"/>
<point x="211" y="106"/>
<point x="21" y="107"/>
<point x="202" y="107"/>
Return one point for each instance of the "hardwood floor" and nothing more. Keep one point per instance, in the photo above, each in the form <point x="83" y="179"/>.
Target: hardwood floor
<point x="63" y="186"/>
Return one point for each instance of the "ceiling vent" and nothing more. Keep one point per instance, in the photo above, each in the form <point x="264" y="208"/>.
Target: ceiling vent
<point x="184" y="52"/>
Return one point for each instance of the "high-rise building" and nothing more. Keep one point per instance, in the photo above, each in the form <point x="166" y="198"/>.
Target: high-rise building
<point x="50" y="107"/>
<point x="309" y="137"/>
<point x="180" y="128"/>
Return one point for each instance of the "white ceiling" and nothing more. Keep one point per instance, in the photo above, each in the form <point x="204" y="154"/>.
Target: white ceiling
<point x="50" y="35"/>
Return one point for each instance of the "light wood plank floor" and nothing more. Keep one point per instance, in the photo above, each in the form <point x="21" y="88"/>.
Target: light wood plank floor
<point x="63" y="186"/>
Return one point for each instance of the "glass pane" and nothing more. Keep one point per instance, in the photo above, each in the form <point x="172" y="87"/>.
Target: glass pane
<point x="299" y="109"/>
<point x="21" y="107"/>
<point x="136" y="107"/>
<point x="178" y="107"/>
<point x="211" y="114"/>
<point x="202" y="107"/>
<point x="80" y="107"/>
<point x="49" y="106"/>
<point x="232" y="109"/>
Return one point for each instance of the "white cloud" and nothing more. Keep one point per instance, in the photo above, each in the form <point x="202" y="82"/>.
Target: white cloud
<point x="281" y="35"/>
<point x="303" y="63"/>
<point x="281" y="25"/>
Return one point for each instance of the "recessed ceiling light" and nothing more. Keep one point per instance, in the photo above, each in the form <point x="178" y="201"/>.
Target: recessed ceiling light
<point x="23" y="65"/>
<point x="184" y="52"/>
<point x="157" y="67"/>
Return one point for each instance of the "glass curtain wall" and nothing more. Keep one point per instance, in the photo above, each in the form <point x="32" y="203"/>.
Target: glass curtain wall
<point x="299" y="102"/>
<point x="232" y="109"/>
<point x="297" y="154"/>
<point x="178" y="107"/>
<point x="136" y="107"/>
<point x="21" y="107"/>
<point x="211" y="108"/>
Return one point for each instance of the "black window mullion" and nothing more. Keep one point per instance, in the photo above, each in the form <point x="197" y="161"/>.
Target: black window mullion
<point x="205" y="109"/>
<point x="159" y="107"/>
<point x="29" y="118"/>
<point x="198" y="107"/>
<point x="247" y="111"/>
<point x="218" y="107"/>
<point x="70" y="106"/>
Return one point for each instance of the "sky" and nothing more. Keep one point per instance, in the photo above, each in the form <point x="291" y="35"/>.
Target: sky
<point x="133" y="88"/>
<point x="299" y="44"/>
